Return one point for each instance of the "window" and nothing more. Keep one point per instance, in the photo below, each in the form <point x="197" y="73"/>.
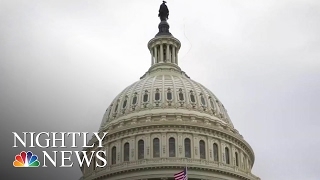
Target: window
<point x="192" y="98"/>
<point x="126" y="152"/>
<point x="145" y="98"/>
<point x="156" y="147"/>
<point x="187" y="148"/>
<point x="157" y="96"/>
<point x="124" y="104"/>
<point x="215" y="152"/>
<point x="181" y="98"/>
<point x="237" y="162"/>
<point x="169" y="96"/>
<point x="172" y="147"/>
<point x="113" y="155"/>
<point x="227" y="155"/>
<point x="203" y="102"/>
<point x="140" y="149"/>
<point x="134" y="100"/>
<point x="202" y="146"/>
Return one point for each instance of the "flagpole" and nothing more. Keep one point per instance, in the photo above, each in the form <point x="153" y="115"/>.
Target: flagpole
<point x="187" y="171"/>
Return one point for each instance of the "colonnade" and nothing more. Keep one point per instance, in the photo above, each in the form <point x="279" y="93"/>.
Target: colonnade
<point x="164" y="53"/>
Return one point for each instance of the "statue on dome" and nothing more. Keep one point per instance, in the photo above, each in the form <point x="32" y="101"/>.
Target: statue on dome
<point x="163" y="11"/>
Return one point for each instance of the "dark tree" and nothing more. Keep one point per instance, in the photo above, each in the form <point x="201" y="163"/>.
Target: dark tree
<point x="163" y="11"/>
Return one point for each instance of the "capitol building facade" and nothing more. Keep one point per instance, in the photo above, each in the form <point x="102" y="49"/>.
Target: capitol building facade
<point x="166" y="122"/>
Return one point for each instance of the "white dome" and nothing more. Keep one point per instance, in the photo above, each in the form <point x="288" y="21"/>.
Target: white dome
<point x="166" y="89"/>
<point x="167" y="121"/>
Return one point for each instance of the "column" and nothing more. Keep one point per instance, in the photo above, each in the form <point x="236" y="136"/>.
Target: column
<point x="164" y="148"/>
<point x="161" y="53"/>
<point x="108" y="153"/>
<point x="132" y="149"/>
<point x="174" y="55"/>
<point x="180" y="145"/>
<point x="168" y="54"/>
<point x="152" y="60"/>
<point x="148" y="145"/>
<point x="196" y="147"/>
<point x="119" y="148"/>
<point x="155" y="49"/>
<point x="177" y="57"/>
<point x="232" y="156"/>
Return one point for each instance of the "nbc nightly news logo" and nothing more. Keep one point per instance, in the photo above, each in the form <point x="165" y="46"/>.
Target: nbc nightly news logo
<point x="32" y="140"/>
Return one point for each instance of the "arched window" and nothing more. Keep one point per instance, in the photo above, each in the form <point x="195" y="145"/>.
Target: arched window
<point x="172" y="147"/>
<point x="187" y="148"/>
<point x="156" y="147"/>
<point x="145" y="98"/>
<point x="126" y="152"/>
<point x="140" y="149"/>
<point x="215" y="152"/>
<point x="203" y="102"/>
<point x="202" y="146"/>
<point x="181" y="98"/>
<point x="227" y="155"/>
<point x="124" y="104"/>
<point x="157" y="96"/>
<point x="134" y="100"/>
<point x="237" y="161"/>
<point x="169" y="96"/>
<point x="113" y="155"/>
<point x="192" y="98"/>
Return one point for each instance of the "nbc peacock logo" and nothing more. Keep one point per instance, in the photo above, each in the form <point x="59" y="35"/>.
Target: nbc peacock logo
<point x="26" y="160"/>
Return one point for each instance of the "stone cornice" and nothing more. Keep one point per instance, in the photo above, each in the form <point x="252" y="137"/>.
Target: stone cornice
<point x="160" y="164"/>
<point x="164" y="39"/>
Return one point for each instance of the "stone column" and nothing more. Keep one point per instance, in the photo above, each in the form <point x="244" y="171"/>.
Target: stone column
<point x="174" y="55"/>
<point x="232" y="156"/>
<point x="163" y="145"/>
<point x="155" y="49"/>
<point x="161" y="53"/>
<point x="180" y="145"/>
<point x="152" y="59"/>
<point x="168" y="54"/>
<point x="119" y="148"/>
<point x="148" y="144"/>
<point x="132" y="149"/>
<point x="196" y="147"/>
<point x="223" y="156"/>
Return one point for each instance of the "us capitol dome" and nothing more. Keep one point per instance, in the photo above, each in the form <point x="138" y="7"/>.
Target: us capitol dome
<point x="165" y="122"/>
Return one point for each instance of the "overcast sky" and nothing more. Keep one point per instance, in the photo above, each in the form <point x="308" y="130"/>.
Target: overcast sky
<point x="63" y="62"/>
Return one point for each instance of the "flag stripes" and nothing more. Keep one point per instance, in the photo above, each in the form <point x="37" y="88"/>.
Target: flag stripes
<point x="181" y="175"/>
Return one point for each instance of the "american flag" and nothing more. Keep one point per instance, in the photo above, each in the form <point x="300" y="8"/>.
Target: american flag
<point x="181" y="175"/>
